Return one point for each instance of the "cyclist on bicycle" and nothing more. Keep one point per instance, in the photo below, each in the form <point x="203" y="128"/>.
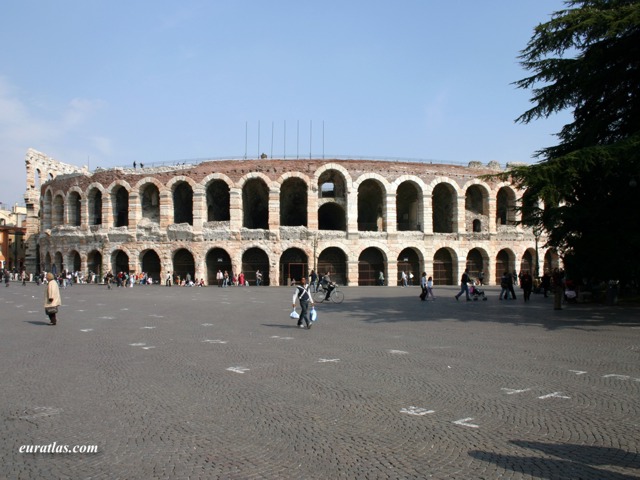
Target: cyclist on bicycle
<point x="328" y="285"/>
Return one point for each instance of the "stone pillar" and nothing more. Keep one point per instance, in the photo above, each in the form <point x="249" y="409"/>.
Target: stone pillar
<point x="135" y="211"/>
<point x="166" y="209"/>
<point x="84" y="213"/>
<point x="274" y="209"/>
<point x="107" y="210"/>
<point x="352" y="212"/>
<point x="312" y="208"/>
<point x="235" y="209"/>
<point x="493" y="228"/>
<point x="199" y="209"/>
<point x="459" y="225"/>
<point x="427" y="215"/>
<point x="352" y="273"/>
<point x="392" y="214"/>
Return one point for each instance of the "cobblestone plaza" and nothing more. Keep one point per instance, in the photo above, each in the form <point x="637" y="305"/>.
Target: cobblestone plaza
<point x="219" y="383"/>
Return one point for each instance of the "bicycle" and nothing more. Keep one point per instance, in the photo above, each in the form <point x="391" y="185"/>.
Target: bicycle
<point x="336" y="295"/>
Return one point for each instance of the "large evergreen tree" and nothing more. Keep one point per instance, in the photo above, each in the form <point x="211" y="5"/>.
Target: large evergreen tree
<point x="585" y="191"/>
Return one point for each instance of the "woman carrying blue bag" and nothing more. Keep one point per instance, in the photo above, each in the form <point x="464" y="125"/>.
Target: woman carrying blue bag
<point x="303" y="295"/>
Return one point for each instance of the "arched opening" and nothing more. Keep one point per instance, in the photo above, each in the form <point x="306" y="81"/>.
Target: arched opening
<point x="294" y="264"/>
<point x="409" y="207"/>
<point x="444" y="208"/>
<point x="94" y="264"/>
<point x="58" y="211"/>
<point x="334" y="261"/>
<point x="184" y="263"/>
<point x="74" y="261"/>
<point x="370" y="264"/>
<point x="120" y="197"/>
<point x="527" y="262"/>
<point x="255" y="259"/>
<point x="293" y="203"/>
<point x="151" y="265"/>
<point x="119" y="262"/>
<point x="150" y="202"/>
<point x="409" y="263"/>
<point x="506" y="207"/>
<point x="183" y="203"/>
<point x="331" y="184"/>
<point x="476" y="206"/>
<point x="331" y="216"/>
<point x="443" y="268"/>
<point x="219" y="260"/>
<point x="58" y="264"/>
<point x="95" y="206"/>
<point x="475" y="263"/>
<point x="218" y="201"/>
<point x="47" y="267"/>
<point x="551" y="261"/>
<point x="74" y="209"/>
<point x="255" y="204"/>
<point x="47" y="210"/>
<point x="371" y="207"/>
<point x="504" y="263"/>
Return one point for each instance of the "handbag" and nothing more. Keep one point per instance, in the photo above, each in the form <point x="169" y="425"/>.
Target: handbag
<point x="51" y="310"/>
<point x="313" y="315"/>
<point x="294" y="314"/>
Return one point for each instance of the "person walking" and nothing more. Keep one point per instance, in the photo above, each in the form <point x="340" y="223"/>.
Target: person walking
<point x="430" y="288"/>
<point x="512" y="279"/>
<point x="404" y="279"/>
<point x="481" y="277"/>
<point x="504" y="285"/>
<point x="423" y="286"/>
<point x="301" y="293"/>
<point x="258" y="278"/>
<point x="464" y="286"/>
<point x="52" y="299"/>
<point x="526" y="283"/>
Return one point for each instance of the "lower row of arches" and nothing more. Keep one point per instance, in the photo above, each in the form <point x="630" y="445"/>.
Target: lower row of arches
<point x="445" y="267"/>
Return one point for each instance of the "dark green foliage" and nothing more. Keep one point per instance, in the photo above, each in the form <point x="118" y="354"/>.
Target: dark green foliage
<point x="584" y="191"/>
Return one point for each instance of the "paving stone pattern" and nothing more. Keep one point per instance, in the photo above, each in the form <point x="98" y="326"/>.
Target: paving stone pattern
<point x="188" y="383"/>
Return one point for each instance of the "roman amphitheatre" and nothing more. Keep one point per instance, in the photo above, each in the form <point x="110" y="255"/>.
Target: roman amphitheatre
<point x="352" y="217"/>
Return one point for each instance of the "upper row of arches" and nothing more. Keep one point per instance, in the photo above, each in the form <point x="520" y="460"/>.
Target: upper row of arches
<point x="333" y="202"/>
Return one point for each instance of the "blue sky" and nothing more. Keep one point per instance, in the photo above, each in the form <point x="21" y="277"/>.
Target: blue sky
<point x="105" y="83"/>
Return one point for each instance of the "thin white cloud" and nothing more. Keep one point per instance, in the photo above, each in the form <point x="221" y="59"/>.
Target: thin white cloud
<point x="24" y="126"/>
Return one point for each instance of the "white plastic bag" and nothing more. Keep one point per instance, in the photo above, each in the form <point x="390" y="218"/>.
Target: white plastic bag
<point x="294" y="314"/>
<point x="313" y="315"/>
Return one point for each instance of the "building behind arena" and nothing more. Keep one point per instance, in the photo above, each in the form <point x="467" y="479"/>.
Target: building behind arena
<point x="351" y="217"/>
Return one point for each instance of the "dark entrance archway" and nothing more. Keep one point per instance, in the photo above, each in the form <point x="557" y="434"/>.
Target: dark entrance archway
<point x="503" y="264"/>
<point x="75" y="262"/>
<point x="294" y="265"/>
<point x="409" y="262"/>
<point x="119" y="262"/>
<point x="443" y="268"/>
<point x="218" y="259"/>
<point x="184" y="263"/>
<point x="475" y="263"/>
<point x="94" y="264"/>
<point x="151" y="265"/>
<point x="333" y="260"/>
<point x="255" y="259"/>
<point x="370" y="264"/>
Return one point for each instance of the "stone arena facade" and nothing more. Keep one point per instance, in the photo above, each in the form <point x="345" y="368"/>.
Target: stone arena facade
<point x="354" y="218"/>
